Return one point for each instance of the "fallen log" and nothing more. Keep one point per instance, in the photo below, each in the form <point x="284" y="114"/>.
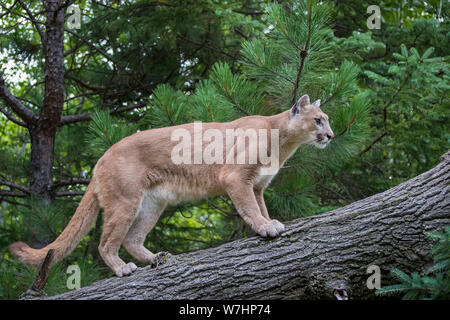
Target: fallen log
<point x="320" y="257"/>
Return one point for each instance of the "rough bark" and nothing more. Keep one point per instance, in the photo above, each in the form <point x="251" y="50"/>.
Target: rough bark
<point x="314" y="257"/>
<point x="43" y="131"/>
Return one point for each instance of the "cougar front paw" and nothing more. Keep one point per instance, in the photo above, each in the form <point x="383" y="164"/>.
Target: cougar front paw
<point x="271" y="229"/>
<point x="278" y="225"/>
<point x="126" y="270"/>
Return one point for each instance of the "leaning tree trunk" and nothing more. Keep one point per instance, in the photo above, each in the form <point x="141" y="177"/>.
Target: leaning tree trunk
<point x="314" y="258"/>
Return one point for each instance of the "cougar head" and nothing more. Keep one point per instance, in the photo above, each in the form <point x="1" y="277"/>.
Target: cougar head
<point x="310" y="123"/>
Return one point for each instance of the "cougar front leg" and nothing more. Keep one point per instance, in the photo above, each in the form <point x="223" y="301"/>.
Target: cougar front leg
<point x="245" y="202"/>
<point x="259" y="194"/>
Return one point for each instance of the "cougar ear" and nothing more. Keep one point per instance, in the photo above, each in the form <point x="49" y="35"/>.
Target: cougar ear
<point x="317" y="103"/>
<point x="303" y="101"/>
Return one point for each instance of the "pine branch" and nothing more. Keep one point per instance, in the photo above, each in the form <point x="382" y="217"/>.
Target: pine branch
<point x="91" y="45"/>
<point x="15" y="186"/>
<point x="35" y="23"/>
<point x="6" y="193"/>
<point x="14" y="12"/>
<point x="84" y="84"/>
<point x="86" y="117"/>
<point x="73" y="49"/>
<point x="12" y="118"/>
<point x="373" y="142"/>
<point x="15" y="203"/>
<point x="352" y="120"/>
<point x="249" y="13"/>
<point x="11" y="101"/>
<point x="69" y="182"/>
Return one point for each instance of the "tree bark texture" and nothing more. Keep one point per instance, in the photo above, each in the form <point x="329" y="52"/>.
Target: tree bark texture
<point x="312" y="259"/>
<point x="43" y="131"/>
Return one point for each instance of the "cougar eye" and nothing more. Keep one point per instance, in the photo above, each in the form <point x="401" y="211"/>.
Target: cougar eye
<point x="318" y="120"/>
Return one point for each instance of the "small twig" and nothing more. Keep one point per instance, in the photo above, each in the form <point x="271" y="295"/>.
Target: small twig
<point x="373" y="142"/>
<point x="43" y="274"/>
<point x="347" y="127"/>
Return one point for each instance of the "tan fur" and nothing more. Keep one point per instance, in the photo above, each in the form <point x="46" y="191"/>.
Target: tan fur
<point x="135" y="180"/>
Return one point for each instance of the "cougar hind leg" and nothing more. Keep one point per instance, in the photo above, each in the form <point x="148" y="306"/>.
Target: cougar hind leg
<point x="148" y="214"/>
<point x="118" y="218"/>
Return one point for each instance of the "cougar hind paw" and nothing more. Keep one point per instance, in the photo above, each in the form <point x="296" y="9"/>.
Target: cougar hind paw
<point x="161" y="258"/>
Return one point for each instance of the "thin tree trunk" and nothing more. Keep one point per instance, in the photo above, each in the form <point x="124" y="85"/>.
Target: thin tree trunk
<point x="43" y="131"/>
<point x="313" y="258"/>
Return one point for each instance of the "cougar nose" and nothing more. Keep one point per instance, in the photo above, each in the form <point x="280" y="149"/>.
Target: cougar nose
<point x="330" y="136"/>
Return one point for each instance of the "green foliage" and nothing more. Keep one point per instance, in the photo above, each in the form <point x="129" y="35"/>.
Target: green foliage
<point x="167" y="106"/>
<point x="405" y="72"/>
<point x="104" y="131"/>
<point x="435" y="284"/>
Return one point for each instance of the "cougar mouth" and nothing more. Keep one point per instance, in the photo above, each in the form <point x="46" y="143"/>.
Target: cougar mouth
<point x="321" y="139"/>
<point x="321" y="142"/>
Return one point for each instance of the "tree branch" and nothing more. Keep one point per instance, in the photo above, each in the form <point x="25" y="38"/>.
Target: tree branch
<point x="69" y="193"/>
<point x="11" y="101"/>
<point x="6" y="193"/>
<point x="85" y="117"/>
<point x="373" y="142"/>
<point x="35" y="22"/>
<point x="83" y="84"/>
<point x="15" y="186"/>
<point x="12" y="118"/>
<point x="249" y="13"/>
<point x="13" y="12"/>
<point x="88" y="43"/>
<point x="69" y="182"/>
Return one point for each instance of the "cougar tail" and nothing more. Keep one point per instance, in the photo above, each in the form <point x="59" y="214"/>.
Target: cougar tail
<point x="78" y="227"/>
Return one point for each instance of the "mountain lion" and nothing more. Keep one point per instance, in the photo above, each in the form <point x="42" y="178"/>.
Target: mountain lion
<point x="137" y="178"/>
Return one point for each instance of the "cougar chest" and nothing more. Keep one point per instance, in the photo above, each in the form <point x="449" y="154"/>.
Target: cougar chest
<point x="263" y="180"/>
